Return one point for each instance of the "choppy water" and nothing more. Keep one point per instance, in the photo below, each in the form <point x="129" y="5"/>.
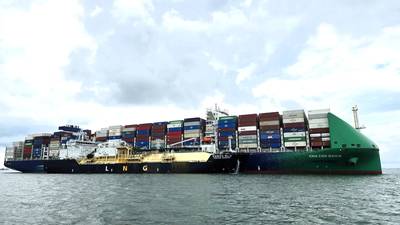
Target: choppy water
<point x="199" y="199"/>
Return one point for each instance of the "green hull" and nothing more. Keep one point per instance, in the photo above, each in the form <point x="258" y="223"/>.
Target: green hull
<point x="351" y="153"/>
<point x="327" y="161"/>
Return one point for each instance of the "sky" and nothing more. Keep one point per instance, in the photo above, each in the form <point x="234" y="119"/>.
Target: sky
<point x="101" y="63"/>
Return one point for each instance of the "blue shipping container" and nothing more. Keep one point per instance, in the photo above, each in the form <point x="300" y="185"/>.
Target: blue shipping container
<point x="36" y="153"/>
<point x="194" y="127"/>
<point x="220" y="122"/>
<point x="294" y="129"/>
<point x="227" y="133"/>
<point x="114" y="137"/>
<point x="270" y="132"/>
<point x="174" y="129"/>
<point x="270" y="136"/>
<point x="227" y="125"/>
<point x="270" y="145"/>
<point x="143" y="132"/>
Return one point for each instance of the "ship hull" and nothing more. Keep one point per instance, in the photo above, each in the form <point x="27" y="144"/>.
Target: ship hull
<point x="212" y="166"/>
<point x="327" y="161"/>
<point x="26" y="166"/>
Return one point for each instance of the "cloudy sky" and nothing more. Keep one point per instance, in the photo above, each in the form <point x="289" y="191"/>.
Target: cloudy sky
<point x="100" y="63"/>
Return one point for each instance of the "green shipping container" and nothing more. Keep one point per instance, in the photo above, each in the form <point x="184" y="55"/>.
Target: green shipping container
<point x="290" y="139"/>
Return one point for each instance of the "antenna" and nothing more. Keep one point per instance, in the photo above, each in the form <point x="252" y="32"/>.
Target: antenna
<point x="356" y="121"/>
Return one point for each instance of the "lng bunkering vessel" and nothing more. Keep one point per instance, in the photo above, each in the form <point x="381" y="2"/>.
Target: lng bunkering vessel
<point x="289" y="143"/>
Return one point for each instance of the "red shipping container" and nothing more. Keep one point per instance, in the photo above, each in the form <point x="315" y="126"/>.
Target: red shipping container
<point x="130" y="140"/>
<point x="270" y="127"/>
<point x="175" y="133"/>
<point x="294" y="125"/>
<point x="247" y="132"/>
<point x="247" y="124"/>
<point x="318" y="130"/>
<point x="269" y="116"/>
<point x="131" y="126"/>
<point x="144" y="126"/>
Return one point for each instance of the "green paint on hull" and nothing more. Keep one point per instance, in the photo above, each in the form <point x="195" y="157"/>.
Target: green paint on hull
<point x="350" y="153"/>
<point x="356" y="161"/>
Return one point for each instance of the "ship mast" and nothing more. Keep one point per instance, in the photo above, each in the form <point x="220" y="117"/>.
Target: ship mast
<point x="356" y="121"/>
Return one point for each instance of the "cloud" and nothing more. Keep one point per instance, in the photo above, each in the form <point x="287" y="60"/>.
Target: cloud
<point x="245" y="73"/>
<point x="140" y="10"/>
<point x="96" y="11"/>
<point x="333" y="67"/>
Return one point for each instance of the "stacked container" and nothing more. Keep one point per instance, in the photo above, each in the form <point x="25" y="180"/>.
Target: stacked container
<point x="158" y="132"/>
<point x="210" y="130"/>
<point x="69" y="128"/>
<point x="54" y="146"/>
<point x="27" y="154"/>
<point x="64" y="136"/>
<point x="40" y="142"/>
<point x="319" y="128"/>
<point x="129" y="134"/>
<point x="227" y="129"/>
<point x="18" y="149"/>
<point x="247" y="129"/>
<point x="174" y="133"/>
<point x="9" y="153"/>
<point x="102" y="135"/>
<point x="193" y="128"/>
<point x="115" y="132"/>
<point x="294" y="129"/>
<point x="143" y="136"/>
<point x="270" y="130"/>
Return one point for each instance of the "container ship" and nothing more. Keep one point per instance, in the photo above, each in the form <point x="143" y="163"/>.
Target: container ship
<point x="290" y="142"/>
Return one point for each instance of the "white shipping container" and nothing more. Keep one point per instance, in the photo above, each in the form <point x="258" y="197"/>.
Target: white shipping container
<point x="269" y="123"/>
<point x="247" y="137"/>
<point x="248" y="145"/>
<point x="318" y="125"/>
<point x="18" y="144"/>
<point x="194" y="123"/>
<point x="174" y="125"/>
<point x="191" y="135"/>
<point x="294" y="120"/>
<point x="9" y="153"/>
<point x="293" y="114"/>
<point x="29" y="137"/>
<point x="54" y="153"/>
<point x="325" y="135"/>
<point x="319" y="120"/>
<point x="294" y="134"/>
<point x="295" y="144"/>
<point x="118" y="127"/>
<point x="129" y="129"/>
<point x="317" y="116"/>
<point x="326" y="139"/>
<point x="315" y="135"/>
<point x="192" y="131"/>
<point x="318" y="111"/>
<point x="248" y="128"/>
